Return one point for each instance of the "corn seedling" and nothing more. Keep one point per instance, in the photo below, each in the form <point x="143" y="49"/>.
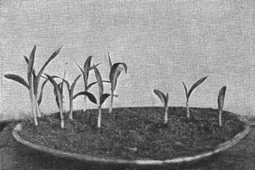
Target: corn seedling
<point x="70" y="91"/>
<point x="221" y="98"/>
<point x="164" y="99"/>
<point x="33" y="81"/>
<point x="115" y="70"/>
<point x="102" y="96"/>
<point x="85" y="73"/>
<point x="58" y="91"/>
<point x="188" y="93"/>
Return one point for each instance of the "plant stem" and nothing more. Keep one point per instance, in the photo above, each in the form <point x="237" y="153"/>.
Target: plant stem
<point x="37" y="106"/>
<point x="166" y="116"/>
<point x="85" y="101"/>
<point x="99" y="116"/>
<point x="71" y="106"/>
<point x="220" y="121"/>
<point x="111" y="103"/>
<point x="187" y="108"/>
<point x="33" y="100"/>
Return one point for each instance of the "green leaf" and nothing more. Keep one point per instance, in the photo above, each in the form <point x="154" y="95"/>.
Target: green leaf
<point x="41" y="93"/>
<point x="17" y="79"/>
<point x="57" y="90"/>
<point x="53" y="55"/>
<point x="90" y="85"/>
<point x="86" y="67"/>
<point x="110" y="61"/>
<point x="74" y="83"/>
<point x="31" y="63"/>
<point x="195" y="85"/>
<point x="185" y="88"/>
<point x="103" y="98"/>
<point x="115" y="73"/>
<point x="99" y="81"/>
<point x="163" y="98"/>
<point x="221" y="97"/>
<point x="91" y="97"/>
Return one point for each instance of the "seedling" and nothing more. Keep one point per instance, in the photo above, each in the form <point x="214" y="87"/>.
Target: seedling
<point x="221" y="98"/>
<point x="85" y="73"/>
<point x="188" y="93"/>
<point x="115" y="71"/>
<point x="70" y="91"/>
<point x="102" y="96"/>
<point x="58" y="90"/>
<point x="33" y="81"/>
<point x="164" y="99"/>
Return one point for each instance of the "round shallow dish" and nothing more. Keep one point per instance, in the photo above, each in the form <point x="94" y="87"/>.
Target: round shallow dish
<point x="109" y="160"/>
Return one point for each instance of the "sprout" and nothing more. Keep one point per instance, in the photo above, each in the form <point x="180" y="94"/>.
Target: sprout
<point x="115" y="71"/>
<point x="70" y="91"/>
<point x="58" y="91"/>
<point x="190" y="91"/>
<point x="33" y="81"/>
<point x="85" y="73"/>
<point x="102" y="96"/>
<point x="221" y="98"/>
<point x="164" y="99"/>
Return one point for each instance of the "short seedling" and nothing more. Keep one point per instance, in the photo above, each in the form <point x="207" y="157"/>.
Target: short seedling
<point x="58" y="90"/>
<point x="33" y="81"/>
<point x="190" y="91"/>
<point x="85" y="73"/>
<point x="70" y="91"/>
<point x="115" y="71"/>
<point x="102" y="96"/>
<point x="221" y="98"/>
<point x="164" y="99"/>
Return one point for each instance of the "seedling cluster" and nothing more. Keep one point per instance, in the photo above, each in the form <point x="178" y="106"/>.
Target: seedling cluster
<point x="32" y="84"/>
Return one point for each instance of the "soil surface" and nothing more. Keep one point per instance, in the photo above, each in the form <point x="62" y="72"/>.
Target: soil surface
<point x="135" y="133"/>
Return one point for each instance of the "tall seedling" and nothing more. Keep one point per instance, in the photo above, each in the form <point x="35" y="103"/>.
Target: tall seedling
<point x="58" y="90"/>
<point x="221" y="98"/>
<point x="33" y="81"/>
<point x="102" y="96"/>
<point x="85" y="73"/>
<point x="164" y="99"/>
<point x="115" y="71"/>
<point x="188" y="93"/>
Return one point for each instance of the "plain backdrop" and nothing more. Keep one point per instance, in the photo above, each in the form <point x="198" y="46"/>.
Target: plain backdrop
<point x="163" y="43"/>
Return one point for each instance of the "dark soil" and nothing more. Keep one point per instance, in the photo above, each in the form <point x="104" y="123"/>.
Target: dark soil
<point x="136" y="133"/>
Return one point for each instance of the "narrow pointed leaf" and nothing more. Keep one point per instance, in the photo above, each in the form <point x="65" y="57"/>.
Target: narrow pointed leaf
<point x="195" y="85"/>
<point x="57" y="90"/>
<point x="103" y="98"/>
<point x="186" y="91"/>
<point x="17" y="79"/>
<point x="161" y="96"/>
<point x="91" y="84"/>
<point x="86" y="67"/>
<point x="99" y="81"/>
<point x="221" y="97"/>
<point x="41" y="93"/>
<point x="53" y="55"/>
<point x="110" y="61"/>
<point x="74" y="83"/>
<point x="91" y="97"/>
<point x="31" y="63"/>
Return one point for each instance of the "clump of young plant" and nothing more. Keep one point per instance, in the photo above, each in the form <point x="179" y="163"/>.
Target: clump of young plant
<point x="164" y="99"/>
<point x="221" y="98"/>
<point x="58" y="91"/>
<point x="101" y="98"/>
<point x="71" y="91"/>
<point x="115" y="70"/>
<point x="33" y="81"/>
<point x="188" y="93"/>
<point x="85" y="73"/>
